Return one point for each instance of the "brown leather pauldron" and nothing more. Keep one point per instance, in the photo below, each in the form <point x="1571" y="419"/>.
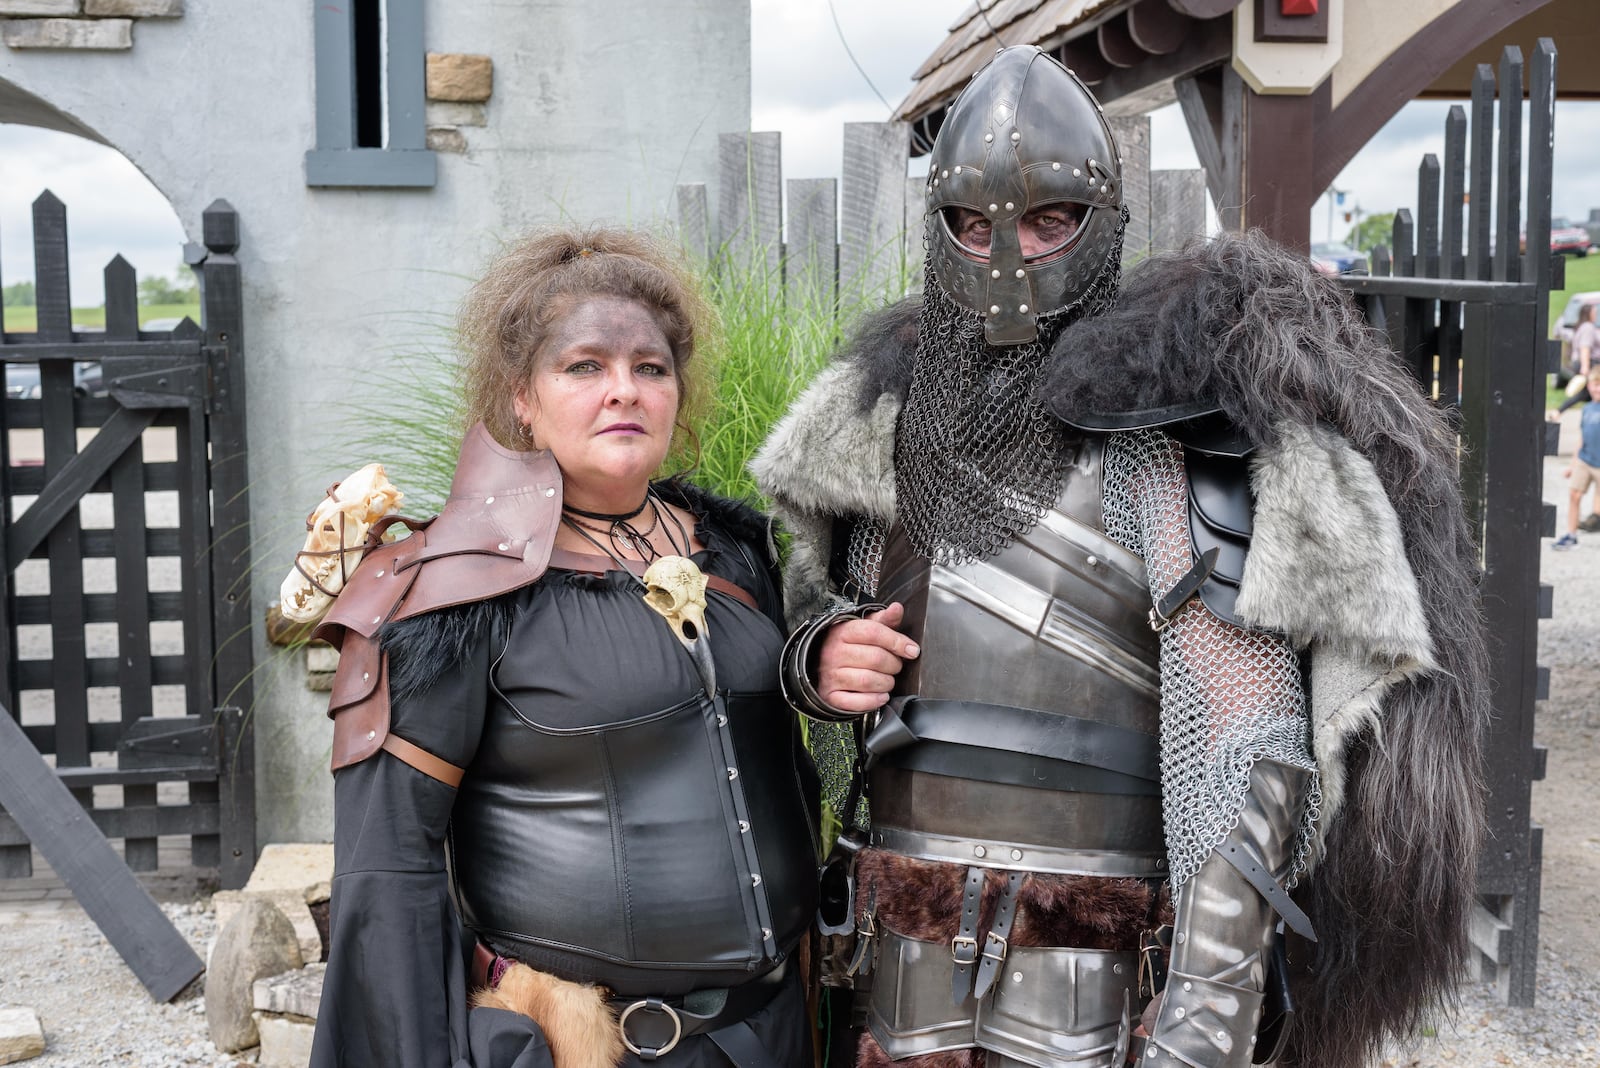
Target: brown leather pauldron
<point x="494" y="535"/>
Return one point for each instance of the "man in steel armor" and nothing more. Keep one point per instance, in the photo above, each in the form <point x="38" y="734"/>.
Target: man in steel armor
<point x="1148" y="623"/>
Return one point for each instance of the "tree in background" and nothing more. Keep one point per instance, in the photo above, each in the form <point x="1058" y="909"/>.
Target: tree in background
<point x="19" y="295"/>
<point x="155" y="289"/>
<point x="1370" y="232"/>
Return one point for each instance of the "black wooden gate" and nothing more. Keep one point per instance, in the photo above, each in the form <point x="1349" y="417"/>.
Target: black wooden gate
<point x="1470" y="323"/>
<point x="124" y="594"/>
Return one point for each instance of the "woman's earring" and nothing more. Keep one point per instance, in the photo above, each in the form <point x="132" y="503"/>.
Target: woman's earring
<point x="526" y="433"/>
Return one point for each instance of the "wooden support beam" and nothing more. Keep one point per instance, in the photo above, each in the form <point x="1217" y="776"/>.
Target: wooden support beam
<point x="1212" y="103"/>
<point x="1117" y="44"/>
<point x="1157" y="28"/>
<point x="1204" y="9"/>
<point x="1082" y="57"/>
<point x="123" y="910"/>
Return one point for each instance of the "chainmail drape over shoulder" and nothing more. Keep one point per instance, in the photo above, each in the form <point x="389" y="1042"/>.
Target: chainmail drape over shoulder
<point x="977" y="458"/>
<point x="1228" y="696"/>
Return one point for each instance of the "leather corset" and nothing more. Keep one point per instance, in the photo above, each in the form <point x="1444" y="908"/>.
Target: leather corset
<point x="641" y="861"/>
<point x="1025" y="734"/>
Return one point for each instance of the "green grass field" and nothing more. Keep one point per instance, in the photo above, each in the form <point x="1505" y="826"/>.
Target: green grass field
<point x="1583" y="275"/>
<point x="25" y="320"/>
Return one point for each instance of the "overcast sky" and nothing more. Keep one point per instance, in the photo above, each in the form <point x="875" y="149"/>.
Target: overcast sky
<point x="804" y="85"/>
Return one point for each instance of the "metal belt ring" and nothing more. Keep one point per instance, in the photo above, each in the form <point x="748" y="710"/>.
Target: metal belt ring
<point x="660" y="1006"/>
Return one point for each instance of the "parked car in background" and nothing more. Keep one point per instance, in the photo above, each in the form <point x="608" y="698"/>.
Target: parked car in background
<point x="1330" y="258"/>
<point x="1567" y="321"/>
<point x="1566" y="239"/>
<point x="22" y="380"/>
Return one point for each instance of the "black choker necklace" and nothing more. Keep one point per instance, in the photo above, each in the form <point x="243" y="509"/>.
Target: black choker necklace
<point x="610" y="517"/>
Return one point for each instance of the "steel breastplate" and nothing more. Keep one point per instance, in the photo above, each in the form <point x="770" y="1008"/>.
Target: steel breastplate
<point x="1025" y="733"/>
<point x="632" y="853"/>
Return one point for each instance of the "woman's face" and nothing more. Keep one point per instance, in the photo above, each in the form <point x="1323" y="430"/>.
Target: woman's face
<point x="603" y="399"/>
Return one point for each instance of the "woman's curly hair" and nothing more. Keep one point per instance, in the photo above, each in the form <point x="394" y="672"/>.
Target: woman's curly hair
<point x="506" y="317"/>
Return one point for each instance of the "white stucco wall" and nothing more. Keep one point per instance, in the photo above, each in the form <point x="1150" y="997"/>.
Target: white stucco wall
<point x="598" y="110"/>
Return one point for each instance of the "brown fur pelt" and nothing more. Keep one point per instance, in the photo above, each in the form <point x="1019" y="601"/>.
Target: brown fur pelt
<point x="922" y="899"/>
<point x="578" y="1023"/>
<point x="870" y="1055"/>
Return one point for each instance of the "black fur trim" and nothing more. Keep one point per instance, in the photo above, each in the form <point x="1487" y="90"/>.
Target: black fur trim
<point x="423" y="648"/>
<point x="735" y="518"/>
<point x="885" y="346"/>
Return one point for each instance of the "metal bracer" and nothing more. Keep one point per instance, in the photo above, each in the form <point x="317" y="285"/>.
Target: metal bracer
<point x="797" y="663"/>
<point x="1224" y="922"/>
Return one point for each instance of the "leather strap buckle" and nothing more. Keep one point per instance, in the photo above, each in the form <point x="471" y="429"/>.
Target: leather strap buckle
<point x="990" y="942"/>
<point x="654" y="1005"/>
<point x="961" y="943"/>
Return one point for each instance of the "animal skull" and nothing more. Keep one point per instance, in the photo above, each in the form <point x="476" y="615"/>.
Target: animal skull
<point x="676" y="588"/>
<point x="335" y="535"/>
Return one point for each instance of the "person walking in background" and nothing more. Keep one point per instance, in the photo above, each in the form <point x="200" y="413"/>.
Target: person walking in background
<point x="1585" y="347"/>
<point x="1584" y="470"/>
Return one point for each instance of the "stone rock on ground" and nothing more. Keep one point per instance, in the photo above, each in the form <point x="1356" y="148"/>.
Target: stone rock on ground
<point x="258" y="942"/>
<point x="295" y="877"/>
<point x="21" y="1036"/>
<point x="285" y="1041"/>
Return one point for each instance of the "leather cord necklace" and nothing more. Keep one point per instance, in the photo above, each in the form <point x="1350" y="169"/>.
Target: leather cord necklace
<point x="621" y="532"/>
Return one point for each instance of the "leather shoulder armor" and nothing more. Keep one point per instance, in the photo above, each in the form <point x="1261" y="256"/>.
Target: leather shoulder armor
<point x="494" y="535"/>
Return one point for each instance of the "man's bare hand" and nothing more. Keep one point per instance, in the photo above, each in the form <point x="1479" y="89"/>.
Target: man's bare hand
<point x="861" y="657"/>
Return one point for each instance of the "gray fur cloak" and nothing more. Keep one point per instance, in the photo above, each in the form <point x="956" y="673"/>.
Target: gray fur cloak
<point x="1361" y="555"/>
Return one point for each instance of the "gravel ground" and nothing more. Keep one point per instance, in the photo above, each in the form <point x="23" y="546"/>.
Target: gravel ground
<point x="95" y="1013"/>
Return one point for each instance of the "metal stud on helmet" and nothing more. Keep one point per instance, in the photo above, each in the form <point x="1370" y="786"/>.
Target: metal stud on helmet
<point x="1023" y="134"/>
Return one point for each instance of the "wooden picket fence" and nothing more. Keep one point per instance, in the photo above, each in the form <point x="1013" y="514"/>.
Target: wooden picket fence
<point x="847" y="242"/>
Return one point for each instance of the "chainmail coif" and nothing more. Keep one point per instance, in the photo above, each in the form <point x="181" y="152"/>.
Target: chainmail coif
<point x="977" y="458"/>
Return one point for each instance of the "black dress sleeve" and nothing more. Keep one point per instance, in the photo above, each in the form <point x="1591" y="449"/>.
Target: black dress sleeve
<point x="395" y="989"/>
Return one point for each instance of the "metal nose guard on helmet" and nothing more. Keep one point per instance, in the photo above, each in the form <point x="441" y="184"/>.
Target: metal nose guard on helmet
<point x="1023" y="133"/>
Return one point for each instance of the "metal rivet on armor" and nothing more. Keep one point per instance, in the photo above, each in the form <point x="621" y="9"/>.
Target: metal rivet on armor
<point x="958" y="170"/>
<point x="944" y="174"/>
<point x="994" y="274"/>
<point x="488" y="500"/>
<point x="1222" y="1036"/>
<point x="1105" y="189"/>
<point x="1016" y="977"/>
<point x="722" y="721"/>
<point x="744" y="826"/>
<point x="1116" y="969"/>
<point x="1182" y="938"/>
<point x="1179" y="1013"/>
<point x="1015" y="137"/>
<point x="755" y="880"/>
<point x="377" y="619"/>
<point x="1093" y="561"/>
<point x="936" y="183"/>
<point x="380" y="574"/>
<point x="504" y="546"/>
<point x="551" y="492"/>
<point x="994" y="207"/>
<point x="1188" y="986"/>
<point x="371" y="735"/>
<point x="1010" y="206"/>
<point x="1016" y="854"/>
<point x="1055" y="166"/>
<point x="979" y="851"/>
<point x="987" y="138"/>
<point x="766" y="933"/>
<point x="1020" y="272"/>
<point x="1076" y="172"/>
<point x="365" y="675"/>
<point x="733" y="773"/>
<point x="1023" y="308"/>
<point x="994" y="309"/>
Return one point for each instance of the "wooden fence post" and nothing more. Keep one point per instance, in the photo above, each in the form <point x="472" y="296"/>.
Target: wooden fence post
<point x="872" y="237"/>
<point x="811" y="256"/>
<point x="750" y="206"/>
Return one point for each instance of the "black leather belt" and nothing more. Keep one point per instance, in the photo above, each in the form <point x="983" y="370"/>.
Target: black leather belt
<point x="653" y="1026"/>
<point x="1022" y="746"/>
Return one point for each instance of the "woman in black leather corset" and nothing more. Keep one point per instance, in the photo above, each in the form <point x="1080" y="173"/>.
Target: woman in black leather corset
<point x="576" y="810"/>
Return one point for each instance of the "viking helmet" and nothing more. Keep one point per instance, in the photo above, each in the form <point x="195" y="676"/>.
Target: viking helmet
<point x="1023" y="134"/>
